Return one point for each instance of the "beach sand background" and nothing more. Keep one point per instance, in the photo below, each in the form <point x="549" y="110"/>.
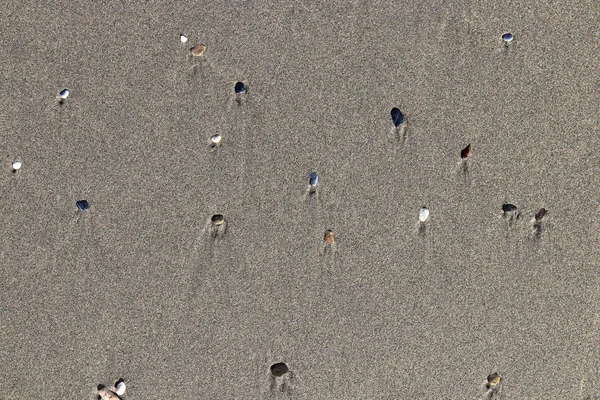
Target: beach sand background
<point x="137" y="287"/>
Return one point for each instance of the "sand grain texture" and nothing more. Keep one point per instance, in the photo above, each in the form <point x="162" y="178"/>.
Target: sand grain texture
<point x="138" y="286"/>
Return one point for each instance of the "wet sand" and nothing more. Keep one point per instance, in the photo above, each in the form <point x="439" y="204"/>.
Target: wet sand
<point x="141" y="286"/>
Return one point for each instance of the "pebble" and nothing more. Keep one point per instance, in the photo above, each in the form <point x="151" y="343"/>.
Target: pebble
<point x="198" y="50"/>
<point x="313" y="180"/>
<point x="183" y="38"/>
<point x="82" y="205"/>
<point x="397" y="117"/>
<point x="120" y="387"/>
<point x="507" y="37"/>
<point x="217" y="220"/>
<point x="240" y="88"/>
<point x="279" y="369"/>
<point x="506" y="208"/>
<point x="494" y="379"/>
<point x="540" y="214"/>
<point x="423" y="214"/>
<point x="215" y="139"/>
<point x="16" y="165"/>
<point x="106" y="394"/>
<point x="466" y="152"/>
<point x="329" y="237"/>
<point x="64" y="94"/>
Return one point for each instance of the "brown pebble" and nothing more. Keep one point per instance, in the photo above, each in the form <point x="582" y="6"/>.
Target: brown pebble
<point x="198" y="50"/>
<point x="540" y="214"/>
<point x="466" y="152"/>
<point x="493" y="379"/>
<point x="329" y="237"/>
<point x="279" y="369"/>
<point x="106" y="394"/>
<point x="217" y="219"/>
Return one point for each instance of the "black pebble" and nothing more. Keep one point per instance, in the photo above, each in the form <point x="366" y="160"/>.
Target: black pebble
<point x="82" y="205"/>
<point x="397" y="117"/>
<point x="217" y="219"/>
<point x="508" y="207"/>
<point x="240" y="88"/>
<point x="540" y="214"/>
<point x="279" y="369"/>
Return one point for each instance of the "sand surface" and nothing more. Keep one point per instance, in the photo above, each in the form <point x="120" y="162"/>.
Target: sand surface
<point x="137" y="287"/>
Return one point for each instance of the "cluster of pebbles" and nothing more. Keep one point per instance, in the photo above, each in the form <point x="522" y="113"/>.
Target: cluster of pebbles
<point x="115" y="393"/>
<point x="398" y="119"/>
<point x="510" y="211"/>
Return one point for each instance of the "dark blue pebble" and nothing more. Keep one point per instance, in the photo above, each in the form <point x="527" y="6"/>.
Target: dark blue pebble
<point x="508" y="207"/>
<point x="82" y="205"/>
<point x="397" y="117"/>
<point x="240" y="88"/>
<point x="313" y="179"/>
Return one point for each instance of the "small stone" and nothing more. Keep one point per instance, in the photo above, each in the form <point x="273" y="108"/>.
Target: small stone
<point x="240" y="88"/>
<point x="397" y="117"/>
<point x="507" y="37"/>
<point x="16" y="165"/>
<point x="82" y="205"/>
<point x="329" y="237"/>
<point x="466" y="152"/>
<point x="540" y="214"/>
<point x="423" y="214"/>
<point x="494" y="379"/>
<point x="183" y="38"/>
<point x="64" y="94"/>
<point x="198" y="50"/>
<point x="313" y="180"/>
<point x="279" y="369"/>
<point x="120" y="387"/>
<point x="217" y="220"/>
<point x="506" y="208"/>
<point x="215" y="139"/>
<point x="106" y="394"/>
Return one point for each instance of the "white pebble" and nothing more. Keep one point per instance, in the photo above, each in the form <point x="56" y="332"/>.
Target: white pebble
<point x="64" y="94"/>
<point x="215" y="139"/>
<point x="16" y="165"/>
<point x="120" y="388"/>
<point x="423" y="214"/>
<point x="183" y="38"/>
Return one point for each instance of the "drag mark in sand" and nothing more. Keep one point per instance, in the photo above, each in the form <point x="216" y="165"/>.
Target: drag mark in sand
<point x="399" y="125"/>
<point x="280" y="375"/>
<point x="493" y="386"/>
<point x="215" y="141"/>
<point x="62" y="96"/>
<point x="218" y="227"/>
<point x="510" y="212"/>
<point x="311" y="190"/>
<point x="423" y="216"/>
<point x="240" y="90"/>
<point x="537" y="222"/>
<point x="329" y="243"/>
